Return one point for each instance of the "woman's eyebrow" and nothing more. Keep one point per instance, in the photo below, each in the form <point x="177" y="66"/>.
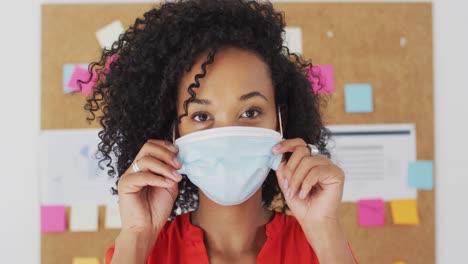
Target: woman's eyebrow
<point x="201" y="101"/>
<point x="252" y="94"/>
<point x="242" y="98"/>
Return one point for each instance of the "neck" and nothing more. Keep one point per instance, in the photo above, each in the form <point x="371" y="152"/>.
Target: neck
<point x="232" y="230"/>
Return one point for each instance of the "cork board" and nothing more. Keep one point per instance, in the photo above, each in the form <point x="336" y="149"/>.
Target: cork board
<point x="365" y="47"/>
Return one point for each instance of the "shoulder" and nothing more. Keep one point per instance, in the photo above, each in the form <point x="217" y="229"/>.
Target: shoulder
<point x="286" y="242"/>
<point x="175" y="228"/>
<point x="284" y="225"/>
<point x="285" y="219"/>
<point x="171" y="234"/>
<point x="293" y="238"/>
<point x="178" y="232"/>
<point x="286" y="230"/>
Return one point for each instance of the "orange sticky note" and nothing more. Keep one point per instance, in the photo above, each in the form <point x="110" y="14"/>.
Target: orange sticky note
<point x="77" y="260"/>
<point x="404" y="212"/>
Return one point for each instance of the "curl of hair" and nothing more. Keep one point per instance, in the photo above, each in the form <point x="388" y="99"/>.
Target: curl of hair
<point x="138" y="77"/>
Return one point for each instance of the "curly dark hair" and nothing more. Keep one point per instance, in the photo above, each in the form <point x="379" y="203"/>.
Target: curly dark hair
<point x="136" y="88"/>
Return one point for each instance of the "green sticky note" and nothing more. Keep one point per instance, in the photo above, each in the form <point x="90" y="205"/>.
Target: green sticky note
<point x="420" y="174"/>
<point x="359" y="98"/>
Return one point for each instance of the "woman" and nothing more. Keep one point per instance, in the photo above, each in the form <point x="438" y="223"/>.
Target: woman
<point x="203" y="66"/>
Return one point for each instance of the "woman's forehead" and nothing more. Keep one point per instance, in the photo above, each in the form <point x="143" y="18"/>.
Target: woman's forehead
<point x="233" y="73"/>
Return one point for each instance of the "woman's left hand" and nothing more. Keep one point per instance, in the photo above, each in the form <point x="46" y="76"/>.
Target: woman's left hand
<point x="312" y="185"/>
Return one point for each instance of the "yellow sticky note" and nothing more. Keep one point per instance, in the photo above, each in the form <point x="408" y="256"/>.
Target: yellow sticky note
<point x="404" y="212"/>
<point x="399" y="262"/>
<point x="85" y="260"/>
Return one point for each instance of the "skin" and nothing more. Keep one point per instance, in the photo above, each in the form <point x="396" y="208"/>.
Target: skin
<point x="234" y="73"/>
<point x="146" y="197"/>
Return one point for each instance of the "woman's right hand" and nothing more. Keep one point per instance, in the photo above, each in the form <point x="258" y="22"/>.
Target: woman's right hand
<point x="146" y="198"/>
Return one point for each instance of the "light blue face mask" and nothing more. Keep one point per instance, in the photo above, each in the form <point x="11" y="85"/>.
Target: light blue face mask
<point x="229" y="164"/>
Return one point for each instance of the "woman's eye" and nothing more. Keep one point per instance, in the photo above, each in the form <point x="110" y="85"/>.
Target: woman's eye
<point x="251" y="113"/>
<point x="203" y="116"/>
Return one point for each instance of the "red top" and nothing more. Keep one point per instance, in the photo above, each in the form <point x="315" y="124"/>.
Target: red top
<point x="181" y="242"/>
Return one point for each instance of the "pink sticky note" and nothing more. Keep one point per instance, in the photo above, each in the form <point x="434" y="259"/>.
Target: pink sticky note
<point x="82" y="74"/>
<point x="371" y="212"/>
<point x="110" y="60"/>
<point x="321" y="78"/>
<point x="53" y="218"/>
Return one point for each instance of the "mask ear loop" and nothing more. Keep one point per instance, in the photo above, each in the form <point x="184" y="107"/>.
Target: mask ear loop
<point x="280" y="124"/>
<point x="173" y="133"/>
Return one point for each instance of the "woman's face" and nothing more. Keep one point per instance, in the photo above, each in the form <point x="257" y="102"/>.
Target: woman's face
<point x="236" y="91"/>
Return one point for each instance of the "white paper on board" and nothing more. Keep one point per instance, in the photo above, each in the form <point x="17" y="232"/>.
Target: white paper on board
<point x="375" y="159"/>
<point x="84" y="218"/>
<point x="107" y="35"/>
<point x="69" y="172"/>
<point x="293" y="39"/>
<point x="113" y="216"/>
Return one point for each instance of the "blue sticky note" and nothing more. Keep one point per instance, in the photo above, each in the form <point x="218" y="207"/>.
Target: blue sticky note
<point x="420" y="174"/>
<point x="67" y="71"/>
<point x="358" y="98"/>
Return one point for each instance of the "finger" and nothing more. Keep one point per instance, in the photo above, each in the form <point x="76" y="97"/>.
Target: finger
<point x="151" y="164"/>
<point x="164" y="143"/>
<point x="161" y="152"/>
<point x="309" y="182"/>
<point x="288" y="145"/>
<point x="133" y="183"/>
<point x="282" y="182"/>
<point x="321" y="176"/>
<point x="294" y="160"/>
<point x="296" y="179"/>
<point x="297" y="156"/>
<point x="299" y="171"/>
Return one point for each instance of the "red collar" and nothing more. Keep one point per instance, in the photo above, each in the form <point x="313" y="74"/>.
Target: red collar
<point x="195" y="234"/>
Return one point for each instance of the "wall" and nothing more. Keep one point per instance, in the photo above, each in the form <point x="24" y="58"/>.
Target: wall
<point x="20" y="112"/>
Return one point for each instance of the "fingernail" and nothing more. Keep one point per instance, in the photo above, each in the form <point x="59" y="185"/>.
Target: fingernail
<point x="177" y="162"/>
<point x="288" y="193"/>
<point x="173" y="148"/>
<point x="286" y="184"/>
<point x="169" y="180"/>
<point x="176" y="174"/>
<point x="277" y="147"/>
<point x="302" y="194"/>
